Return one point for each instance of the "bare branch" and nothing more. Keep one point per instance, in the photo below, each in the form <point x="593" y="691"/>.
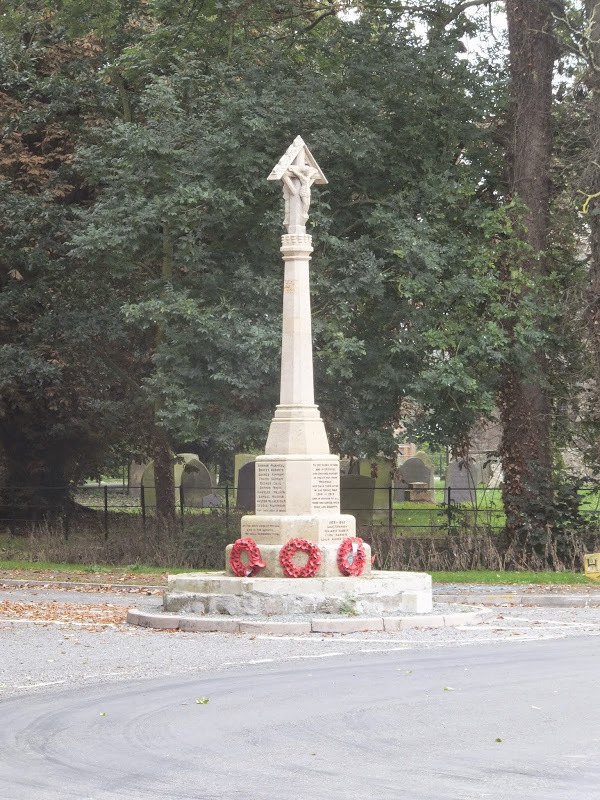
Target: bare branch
<point x="331" y="13"/>
<point x="461" y="7"/>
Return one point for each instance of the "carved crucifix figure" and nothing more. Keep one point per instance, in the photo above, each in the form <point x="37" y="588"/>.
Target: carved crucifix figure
<point x="296" y="193"/>
<point x="297" y="170"/>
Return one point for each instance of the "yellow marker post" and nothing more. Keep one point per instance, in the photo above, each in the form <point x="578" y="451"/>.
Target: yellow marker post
<point x="591" y="565"/>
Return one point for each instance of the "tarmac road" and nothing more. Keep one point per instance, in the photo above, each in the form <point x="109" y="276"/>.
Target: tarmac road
<point x="416" y="724"/>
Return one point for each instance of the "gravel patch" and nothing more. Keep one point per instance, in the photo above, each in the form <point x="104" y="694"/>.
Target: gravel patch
<point x="48" y="654"/>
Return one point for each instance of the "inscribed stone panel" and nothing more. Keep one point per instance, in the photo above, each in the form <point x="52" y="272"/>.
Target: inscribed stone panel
<point x="270" y="487"/>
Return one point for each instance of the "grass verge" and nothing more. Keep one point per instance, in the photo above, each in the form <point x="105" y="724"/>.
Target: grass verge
<point x="464" y="577"/>
<point x="504" y="578"/>
<point x="136" y="569"/>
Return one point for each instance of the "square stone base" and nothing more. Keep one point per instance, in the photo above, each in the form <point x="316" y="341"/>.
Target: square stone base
<point x="321" y="529"/>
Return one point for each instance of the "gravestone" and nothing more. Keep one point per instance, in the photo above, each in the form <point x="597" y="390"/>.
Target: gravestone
<point x="400" y="489"/>
<point x="414" y="470"/>
<point x="425" y="458"/>
<point x="148" y="484"/>
<point x="381" y="470"/>
<point x="212" y="501"/>
<point x="461" y="480"/>
<point x="246" y="486"/>
<point x="134" y="481"/>
<point x="496" y="476"/>
<point x="487" y="464"/>
<point x="195" y="478"/>
<point x="477" y="470"/>
<point x="419" y="493"/>
<point x="239" y="461"/>
<point x="349" y="466"/>
<point x="357" y="494"/>
<point x="189" y="472"/>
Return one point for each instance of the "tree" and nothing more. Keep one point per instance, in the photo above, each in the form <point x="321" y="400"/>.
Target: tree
<point x="174" y="218"/>
<point x="61" y="409"/>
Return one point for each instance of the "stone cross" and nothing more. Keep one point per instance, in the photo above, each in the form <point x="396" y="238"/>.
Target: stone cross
<point x="297" y="426"/>
<point x="297" y="479"/>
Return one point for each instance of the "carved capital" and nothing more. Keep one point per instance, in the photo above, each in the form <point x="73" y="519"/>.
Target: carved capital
<point x="296" y="243"/>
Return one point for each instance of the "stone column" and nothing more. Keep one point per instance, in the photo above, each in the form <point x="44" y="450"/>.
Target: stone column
<point x="297" y="426"/>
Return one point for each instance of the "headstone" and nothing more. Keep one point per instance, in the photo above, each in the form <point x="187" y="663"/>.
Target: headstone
<point x="461" y="481"/>
<point x="425" y="458"/>
<point x="148" y="483"/>
<point x="381" y="470"/>
<point x="419" y="493"/>
<point x="246" y="486"/>
<point x="400" y="489"/>
<point x="349" y="466"/>
<point x="489" y="466"/>
<point x="240" y="460"/>
<point x="195" y="478"/>
<point x="496" y="478"/>
<point x="134" y="481"/>
<point x="212" y="501"/>
<point x="477" y="470"/>
<point x="188" y="471"/>
<point x="357" y="494"/>
<point x="483" y="465"/>
<point x="414" y="470"/>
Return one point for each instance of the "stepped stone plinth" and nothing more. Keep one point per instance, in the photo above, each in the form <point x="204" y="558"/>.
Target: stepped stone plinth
<point x="378" y="593"/>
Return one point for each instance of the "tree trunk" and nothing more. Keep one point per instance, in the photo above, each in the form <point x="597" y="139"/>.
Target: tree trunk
<point x="591" y="179"/>
<point x="524" y="405"/>
<point x="164" y="481"/>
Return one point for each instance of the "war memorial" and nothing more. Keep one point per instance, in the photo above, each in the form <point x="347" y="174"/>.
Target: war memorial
<point x="297" y="558"/>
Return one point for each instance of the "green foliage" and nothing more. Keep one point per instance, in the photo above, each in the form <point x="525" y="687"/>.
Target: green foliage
<point x="184" y="212"/>
<point x="135" y="208"/>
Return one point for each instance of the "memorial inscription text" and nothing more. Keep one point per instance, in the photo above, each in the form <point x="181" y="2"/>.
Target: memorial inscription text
<point x="270" y="487"/>
<point x="325" y="486"/>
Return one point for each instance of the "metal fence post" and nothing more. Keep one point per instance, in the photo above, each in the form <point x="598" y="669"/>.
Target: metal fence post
<point x="390" y="508"/>
<point x="448" y="508"/>
<point x="227" y="508"/>
<point x="143" y="505"/>
<point x="105" y="511"/>
<point x="181" y="499"/>
<point x="67" y="518"/>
